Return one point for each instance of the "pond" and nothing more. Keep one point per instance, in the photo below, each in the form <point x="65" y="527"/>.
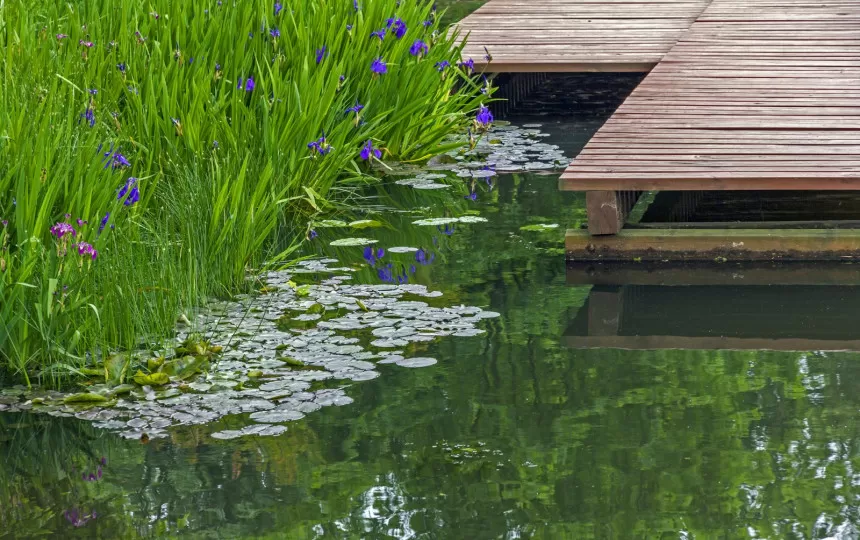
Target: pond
<point x="497" y="422"/>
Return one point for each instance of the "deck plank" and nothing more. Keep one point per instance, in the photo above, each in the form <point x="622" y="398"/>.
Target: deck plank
<point x="757" y="94"/>
<point x="577" y="35"/>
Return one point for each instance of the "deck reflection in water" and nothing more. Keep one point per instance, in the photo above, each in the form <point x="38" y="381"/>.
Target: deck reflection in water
<point x="717" y="307"/>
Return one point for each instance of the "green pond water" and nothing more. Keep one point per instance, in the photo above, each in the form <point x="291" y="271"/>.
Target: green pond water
<point x="514" y="433"/>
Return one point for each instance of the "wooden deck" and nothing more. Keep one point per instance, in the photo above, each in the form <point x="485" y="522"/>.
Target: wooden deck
<point x="576" y="35"/>
<point x="757" y="95"/>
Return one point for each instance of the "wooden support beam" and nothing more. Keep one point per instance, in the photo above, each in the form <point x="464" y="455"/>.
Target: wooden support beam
<point x="607" y="210"/>
<point x="715" y="245"/>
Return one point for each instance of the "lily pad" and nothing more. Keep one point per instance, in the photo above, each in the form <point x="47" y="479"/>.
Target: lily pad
<point x="156" y="379"/>
<point x="365" y="224"/>
<point x="472" y="219"/>
<point x="435" y="222"/>
<point x="416" y="362"/>
<point x="276" y="416"/>
<point x="539" y="227"/>
<point x="327" y="223"/>
<point x="402" y="249"/>
<point x="85" y="397"/>
<point x="351" y="242"/>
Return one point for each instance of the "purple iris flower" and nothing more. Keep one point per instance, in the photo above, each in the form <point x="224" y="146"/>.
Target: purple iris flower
<point x="418" y="48"/>
<point x="386" y="274"/>
<point x="278" y="7"/>
<point x="397" y="26"/>
<point x="378" y="66"/>
<point x="355" y="108"/>
<point x="440" y="66"/>
<point x="115" y="160"/>
<point x="90" y="116"/>
<point x="368" y="150"/>
<point x="355" y="4"/>
<point x="322" y="53"/>
<point x="421" y="256"/>
<point x="468" y="65"/>
<point x="275" y="33"/>
<point x="102" y="224"/>
<point x="379" y="33"/>
<point x="484" y="117"/>
<point x="129" y="191"/>
<point x="249" y="84"/>
<point x="313" y="234"/>
<point x="62" y="229"/>
<point x="87" y="250"/>
<point x="87" y="44"/>
<point x="368" y="255"/>
<point x="121" y="67"/>
<point x="62" y="36"/>
<point x="321" y="145"/>
<point x="472" y="196"/>
<point x="428" y="22"/>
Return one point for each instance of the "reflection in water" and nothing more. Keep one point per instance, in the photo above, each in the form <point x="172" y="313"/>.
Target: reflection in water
<point x="513" y="434"/>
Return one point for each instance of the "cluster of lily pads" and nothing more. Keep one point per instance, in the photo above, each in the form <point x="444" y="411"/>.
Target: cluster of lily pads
<point x="287" y="352"/>
<point x="503" y="148"/>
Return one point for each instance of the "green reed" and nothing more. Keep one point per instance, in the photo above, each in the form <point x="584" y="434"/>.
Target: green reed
<point x="225" y="177"/>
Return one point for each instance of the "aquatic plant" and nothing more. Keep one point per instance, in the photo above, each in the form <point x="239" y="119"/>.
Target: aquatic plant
<point x="191" y="176"/>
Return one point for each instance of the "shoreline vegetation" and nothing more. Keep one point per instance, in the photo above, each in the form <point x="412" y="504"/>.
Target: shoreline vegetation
<point x="153" y="156"/>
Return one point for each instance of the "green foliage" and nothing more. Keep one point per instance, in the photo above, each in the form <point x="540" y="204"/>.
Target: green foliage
<point x="227" y="180"/>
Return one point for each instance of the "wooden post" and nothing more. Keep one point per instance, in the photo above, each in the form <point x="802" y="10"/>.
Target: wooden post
<point x="604" y="214"/>
<point x="607" y="210"/>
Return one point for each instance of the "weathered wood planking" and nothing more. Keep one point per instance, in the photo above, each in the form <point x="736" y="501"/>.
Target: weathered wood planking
<point x="756" y="95"/>
<point x="576" y="35"/>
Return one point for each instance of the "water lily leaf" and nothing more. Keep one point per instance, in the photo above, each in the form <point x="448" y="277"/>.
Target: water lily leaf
<point x="85" y="397"/>
<point x="472" y="219"/>
<point x="402" y="249"/>
<point x="316" y="308"/>
<point x="539" y="227"/>
<point x="116" y="367"/>
<point x="350" y="242"/>
<point x="365" y="224"/>
<point x="154" y="363"/>
<point x="93" y="372"/>
<point x="326" y="223"/>
<point x="255" y="374"/>
<point x="361" y="305"/>
<point x="183" y="368"/>
<point x="121" y="389"/>
<point x="293" y="362"/>
<point x="303" y="291"/>
<point x="435" y="222"/>
<point x="156" y="379"/>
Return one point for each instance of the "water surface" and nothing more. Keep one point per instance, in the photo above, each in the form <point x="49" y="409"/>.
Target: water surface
<point x="516" y="433"/>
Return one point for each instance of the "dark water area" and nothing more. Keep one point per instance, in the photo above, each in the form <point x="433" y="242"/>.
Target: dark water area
<point x="527" y="431"/>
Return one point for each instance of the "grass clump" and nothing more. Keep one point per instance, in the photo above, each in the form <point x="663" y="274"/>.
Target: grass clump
<point x="151" y="154"/>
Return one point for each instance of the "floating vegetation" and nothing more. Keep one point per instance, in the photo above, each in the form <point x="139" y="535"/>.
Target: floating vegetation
<point x="365" y="224"/>
<point x="272" y="364"/>
<point x="504" y="148"/>
<point x="327" y="223"/>
<point x="351" y="242"/>
<point x="540" y="227"/>
<point x="436" y="222"/>
<point x="425" y="180"/>
<point x="402" y="249"/>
